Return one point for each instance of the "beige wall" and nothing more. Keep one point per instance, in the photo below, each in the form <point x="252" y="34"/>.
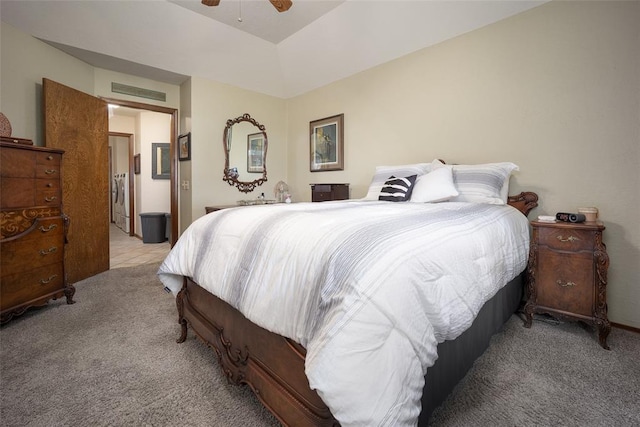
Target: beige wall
<point x="185" y="199"/>
<point x="25" y="62"/>
<point x="555" y="90"/>
<point x="212" y="104"/>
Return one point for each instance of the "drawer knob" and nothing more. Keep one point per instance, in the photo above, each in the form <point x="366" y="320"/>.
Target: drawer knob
<point x="49" y="157"/>
<point x="50" y="199"/>
<point x="51" y="250"/>
<point x="565" y="284"/>
<point x="50" y="171"/>
<point x="45" y="281"/>
<point x="49" y="185"/>
<point x="568" y="239"/>
<point x="49" y="228"/>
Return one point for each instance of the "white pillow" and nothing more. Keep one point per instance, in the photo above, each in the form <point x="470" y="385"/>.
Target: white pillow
<point x="484" y="183"/>
<point x="436" y="186"/>
<point x="383" y="173"/>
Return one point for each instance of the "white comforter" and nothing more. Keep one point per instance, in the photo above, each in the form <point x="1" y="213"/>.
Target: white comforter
<point x="369" y="288"/>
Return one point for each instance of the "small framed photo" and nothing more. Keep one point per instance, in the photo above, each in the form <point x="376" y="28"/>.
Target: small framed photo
<point x="255" y="152"/>
<point x="326" y="148"/>
<point x="136" y="164"/>
<point x="184" y="147"/>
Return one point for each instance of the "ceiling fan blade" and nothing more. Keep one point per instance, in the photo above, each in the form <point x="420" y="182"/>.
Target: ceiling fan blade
<point x="281" y="5"/>
<point x="210" y="2"/>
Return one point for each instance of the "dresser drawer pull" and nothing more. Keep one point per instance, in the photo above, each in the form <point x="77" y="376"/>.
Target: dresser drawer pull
<point x="49" y="228"/>
<point x="568" y="239"/>
<point x="49" y="157"/>
<point x="51" y="250"/>
<point x="49" y="185"/>
<point x="566" y="284"/>
<point x="45" y="281"/>
<point x="50" y="171"/>
<point x="50" y="199"/>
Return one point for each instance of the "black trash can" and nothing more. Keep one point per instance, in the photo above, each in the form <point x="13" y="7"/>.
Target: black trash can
<point x="154" y="227"/>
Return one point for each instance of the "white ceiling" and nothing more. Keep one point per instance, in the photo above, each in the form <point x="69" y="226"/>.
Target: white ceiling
<point x="284" y="54"/>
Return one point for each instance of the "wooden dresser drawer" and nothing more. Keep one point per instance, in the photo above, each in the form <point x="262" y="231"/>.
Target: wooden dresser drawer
<point x="29" y="192"/>
<point x="24" y="254"/>
<point x="21" y="287"/>
<point x="566" y="239"/>
<point x="49" y="159"/>
<point x="17" y="163"/>
<point x="17" y="192"/>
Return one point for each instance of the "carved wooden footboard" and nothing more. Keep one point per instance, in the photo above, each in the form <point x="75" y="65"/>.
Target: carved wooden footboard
<point x="272" y="365"/>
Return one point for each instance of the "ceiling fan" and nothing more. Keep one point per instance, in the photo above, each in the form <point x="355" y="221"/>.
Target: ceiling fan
<point x="280" y="5"/>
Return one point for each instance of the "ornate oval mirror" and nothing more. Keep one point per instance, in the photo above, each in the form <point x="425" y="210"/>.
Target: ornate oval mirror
<point x="245" y="149"/>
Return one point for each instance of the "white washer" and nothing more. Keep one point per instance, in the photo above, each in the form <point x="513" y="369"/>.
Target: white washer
<point x="114" y="197"/>
<point x="126" y="226"/>
<point x="118" y="206"/>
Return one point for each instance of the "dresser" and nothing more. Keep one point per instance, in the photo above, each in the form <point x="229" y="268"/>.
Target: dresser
<point x="326" y="192"/>
<point x="33" y="229"/>
<point x="567" y="274"/>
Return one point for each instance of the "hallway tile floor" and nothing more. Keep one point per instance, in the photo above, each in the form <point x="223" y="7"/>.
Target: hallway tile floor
<point x="129" y="251"/>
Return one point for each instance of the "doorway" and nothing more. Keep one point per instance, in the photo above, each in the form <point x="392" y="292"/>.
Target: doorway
<point x="122" y="195"/>
<point x="173" y="184"/>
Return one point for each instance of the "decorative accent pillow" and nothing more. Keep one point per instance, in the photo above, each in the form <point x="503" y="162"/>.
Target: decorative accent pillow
<point x="436" y="186"/>
<point x="384" y="172"/>
<point x="484" y="183"/>
<point x="397" y="189"/>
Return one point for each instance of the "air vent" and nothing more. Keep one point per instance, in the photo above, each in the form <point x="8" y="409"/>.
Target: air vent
<point x="138" y="91"/>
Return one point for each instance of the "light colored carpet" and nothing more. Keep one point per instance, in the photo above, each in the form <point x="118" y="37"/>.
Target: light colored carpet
<point x="111" y="360"/>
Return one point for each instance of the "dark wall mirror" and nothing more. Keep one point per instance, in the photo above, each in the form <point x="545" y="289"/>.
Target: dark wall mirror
<point x="245" y="148"/>
<point x="161" y="161"/>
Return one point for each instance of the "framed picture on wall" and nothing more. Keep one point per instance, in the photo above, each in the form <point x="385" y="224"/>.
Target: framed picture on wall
<point x="184" y="147"/>
<point x="136" y="164"/>
<point x="326" y="149"/>
<point x="255" y="153"/>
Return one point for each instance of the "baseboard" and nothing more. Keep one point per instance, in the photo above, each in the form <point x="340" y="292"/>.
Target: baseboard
<point x="626" y="327"/>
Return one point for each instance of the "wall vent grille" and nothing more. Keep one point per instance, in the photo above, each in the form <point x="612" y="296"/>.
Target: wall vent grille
<point x="138" y="91"/>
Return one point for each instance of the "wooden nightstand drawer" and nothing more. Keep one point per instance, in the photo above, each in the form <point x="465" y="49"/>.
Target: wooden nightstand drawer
<point x="328" y="192"/>
<point x="565" y="282"/>
<point x="566" y="239"/>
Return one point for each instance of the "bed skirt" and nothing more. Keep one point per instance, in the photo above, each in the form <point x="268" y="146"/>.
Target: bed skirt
<point x="456" y="357"/>
<point x="273" y="366"/>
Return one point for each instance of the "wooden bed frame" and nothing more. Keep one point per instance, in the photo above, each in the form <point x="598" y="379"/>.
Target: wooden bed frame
<point x="270" y="364"/>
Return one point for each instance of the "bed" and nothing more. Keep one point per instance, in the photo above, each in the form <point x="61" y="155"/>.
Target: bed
<point x="306" y="314"/>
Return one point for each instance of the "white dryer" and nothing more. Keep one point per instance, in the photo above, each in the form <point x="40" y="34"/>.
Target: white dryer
<point x="117" y="211"/>
<point x="124" y="195"/>
<point x="114" y="197"/>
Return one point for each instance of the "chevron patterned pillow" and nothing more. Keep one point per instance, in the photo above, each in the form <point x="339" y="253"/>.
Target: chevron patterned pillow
<point x="397" y="189"/>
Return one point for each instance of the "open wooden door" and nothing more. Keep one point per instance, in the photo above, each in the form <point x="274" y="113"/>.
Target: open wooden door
<point x="78" y="123"/>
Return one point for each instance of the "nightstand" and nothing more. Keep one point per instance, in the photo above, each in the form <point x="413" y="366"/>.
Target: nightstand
<point x="326" y="192"/>
<point x="567" y="274"/>
<point x="209" y="209"/>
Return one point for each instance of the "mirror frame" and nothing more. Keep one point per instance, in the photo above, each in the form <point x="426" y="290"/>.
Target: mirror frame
<point x="243" y="186"/>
